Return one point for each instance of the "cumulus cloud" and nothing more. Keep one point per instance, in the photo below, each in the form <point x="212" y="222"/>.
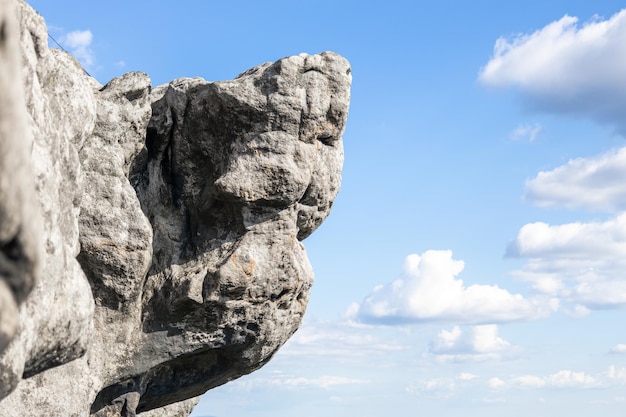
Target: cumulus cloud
<point x="477" y="344"/>
<point x="429" y="290"/>
<point x="581" y="262"/>
<point x="567" y="68"/>
<point x="589" y="183"/>
<point x="571" y="239"/>
<point x="78" y="43"/>
<point x="526" y="132"/>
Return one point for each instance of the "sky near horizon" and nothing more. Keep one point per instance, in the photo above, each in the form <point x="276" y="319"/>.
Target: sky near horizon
<point x="474" y="261"/>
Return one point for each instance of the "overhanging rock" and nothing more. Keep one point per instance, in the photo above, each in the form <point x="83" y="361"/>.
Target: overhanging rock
<point x="171" y="226"/>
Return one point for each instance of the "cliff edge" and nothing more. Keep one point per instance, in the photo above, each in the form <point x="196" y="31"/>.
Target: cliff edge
<point x="150" y="238"/>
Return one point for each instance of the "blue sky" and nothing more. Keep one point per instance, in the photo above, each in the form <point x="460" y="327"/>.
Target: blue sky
<point x="474" y="260"/>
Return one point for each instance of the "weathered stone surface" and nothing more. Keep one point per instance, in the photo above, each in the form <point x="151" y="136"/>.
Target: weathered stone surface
<point x="56" y="320"/>
<point x="172" y="221"/>
<point x="180" y="409"/>
<point x="234" y="174"/>
<point x="20" y="240"/>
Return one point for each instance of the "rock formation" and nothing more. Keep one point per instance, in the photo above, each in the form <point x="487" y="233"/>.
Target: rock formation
<point x="150" y="238"/>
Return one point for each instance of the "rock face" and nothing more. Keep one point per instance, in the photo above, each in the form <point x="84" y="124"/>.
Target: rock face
<point x="20" y="227"/>
<point x="158" y="231"/>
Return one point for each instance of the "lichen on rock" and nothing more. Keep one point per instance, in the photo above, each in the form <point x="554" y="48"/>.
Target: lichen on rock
<point x="167" y="222"/>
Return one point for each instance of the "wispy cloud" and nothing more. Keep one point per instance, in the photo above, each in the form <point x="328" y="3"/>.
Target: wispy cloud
<point x="434" y="387"/>
<point x="578" y="311"/>
<point x="590" y="183"/>
<point x="567" y="68"/>
<point x="285" y="381"/>
<point x="429" y="290"/>
<point x="526" y="132"/>
<point x="78" y="43"/>
<point x="442" y="387"/>
<point x="339" y="341"/>
<point x="561" y="379"/>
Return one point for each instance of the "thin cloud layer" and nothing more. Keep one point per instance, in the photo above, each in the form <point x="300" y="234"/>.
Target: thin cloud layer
<point x="567" y="68"/>
<point x="619" y="349"/>
<point x="434" y="387"/>
<point x="562" y="379"/>
<point x="429" y="290"/>
<point x="581" y="262"/>
<point x="590" y="183"/>
<point x="340" y="342"/>
<point x="291" y="382"/>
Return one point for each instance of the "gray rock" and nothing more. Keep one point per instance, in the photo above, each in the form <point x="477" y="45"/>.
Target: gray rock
<point x="56" y="320"/>
<point x="20" y="237"/>
<point x="180" y="409"/>
<point x="172" y="222"/>
<point x="233" y="176"/>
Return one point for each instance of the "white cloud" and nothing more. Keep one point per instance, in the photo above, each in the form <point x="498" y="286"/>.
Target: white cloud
<point x="280" y="380"/>
<point x="616" y="375"/>
<point x="488" y="400"/>
<point x="528" y="381"/>
<point x="466" y="376"/>
<point x="324" y="382"/>
<point x="79" y="39"/>
<point x="435" y="387"/>
<point x="578" y="311"/>
<point x="526" y="132"/>
<point x="618" y="349"/>
<point x="590" y="183"/>
<point x="567" y="379"/>
<point x="560" y="379"/>
<point x="571" y="239"/>
<point x="567" y="68"/>
<point x="429" y="290"/>
<point x="78" y="43"/>
<point x="496" y="383"/>
<point x="477" y="344"/>
<point x="581" y="262"/>
<point x="441" y="387"/>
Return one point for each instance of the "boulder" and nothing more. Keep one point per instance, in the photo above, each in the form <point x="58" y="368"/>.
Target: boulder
<point x="152" y="237"/>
